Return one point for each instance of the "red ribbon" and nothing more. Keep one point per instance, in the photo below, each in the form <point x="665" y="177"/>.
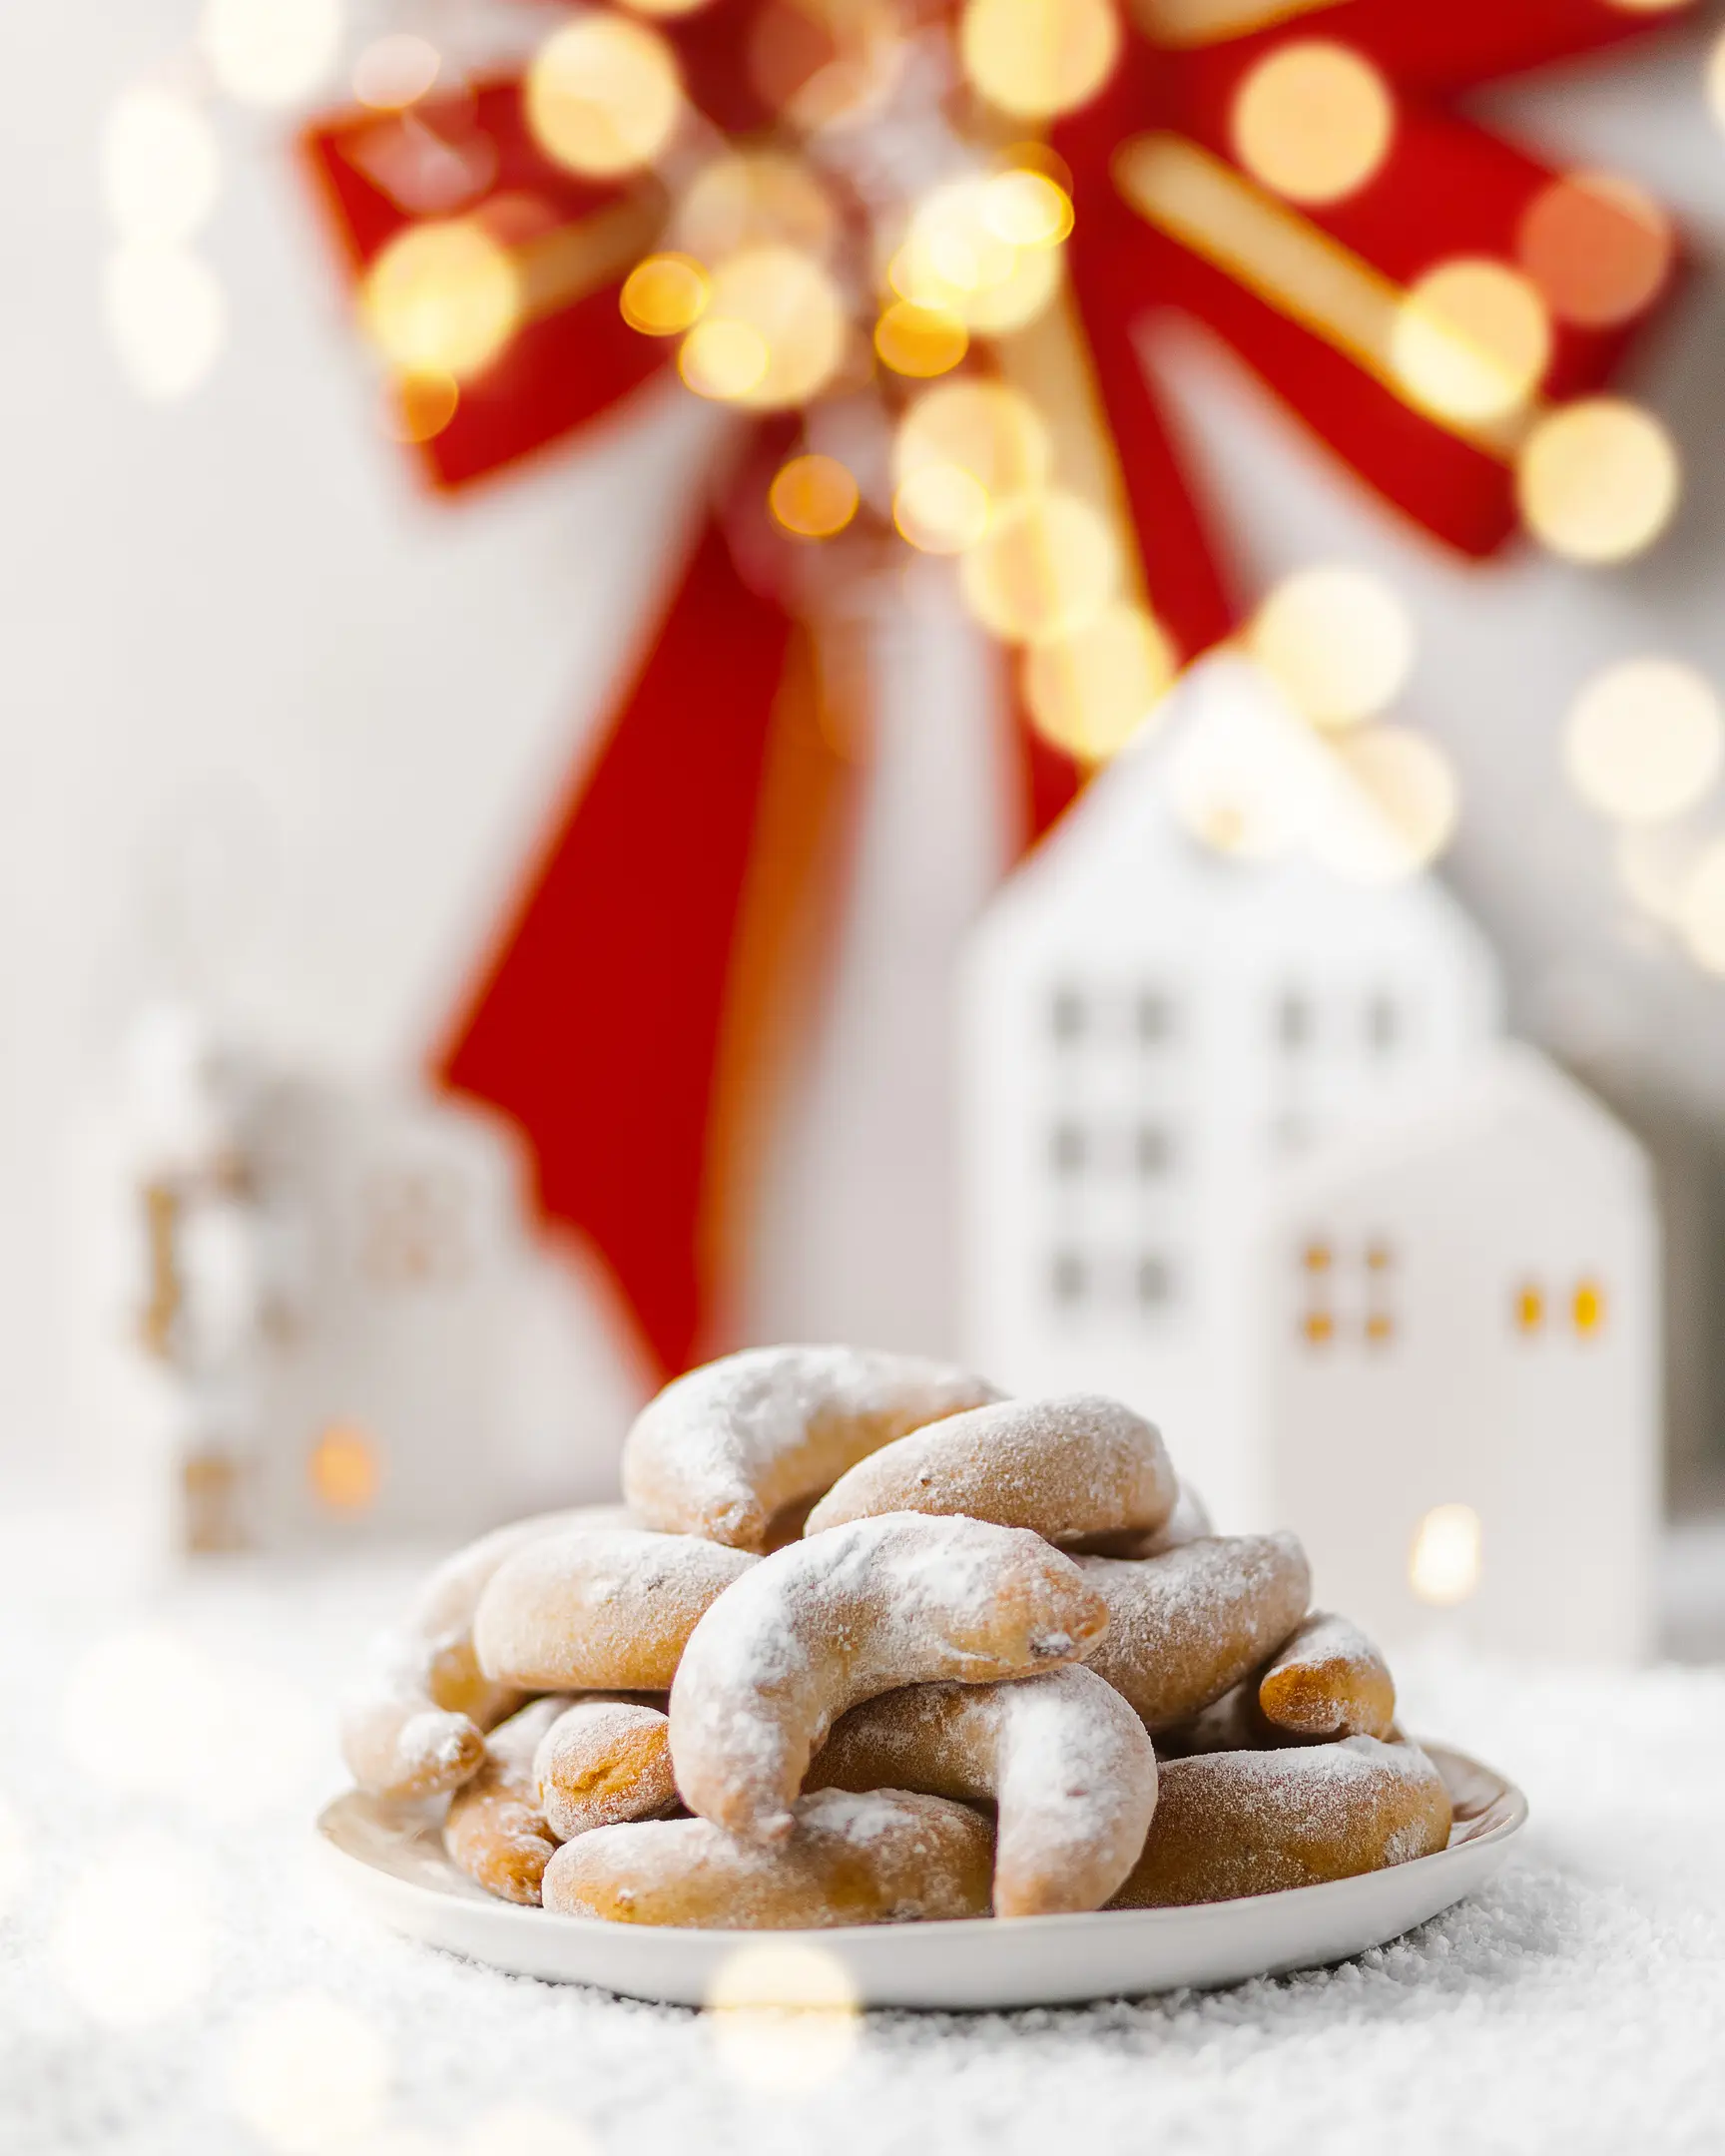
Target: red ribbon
<point x="618" y="1016"/>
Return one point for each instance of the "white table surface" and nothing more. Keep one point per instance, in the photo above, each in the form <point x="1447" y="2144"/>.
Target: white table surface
<point x="166" y="1753"/>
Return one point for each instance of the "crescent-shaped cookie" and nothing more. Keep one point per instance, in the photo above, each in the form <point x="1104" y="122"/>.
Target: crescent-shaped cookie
<point x="495" y="1831"/>
<point x="1065" y="1468"/>
<point x="725" y="1448"/>
<point x="602" y="1762"/>
<point x="1062" y="1758"/>
<point x="1185" y="1627"/>
<point x="413" y="1726"/>
<point x="865" y="1608"/>
<point x="887" y="1858"/>
<point x="606" y="1610"/>
<point x="1230" y="1824"/>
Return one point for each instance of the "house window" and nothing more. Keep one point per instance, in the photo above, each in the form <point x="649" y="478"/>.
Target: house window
<point x="1066" y="1014"/>
<point x="1068" y="1149"/>
<point x="1152" y="1151"/>
<point x="1588" y="1309"/>
<point x="1154" y="1018"/>
<point x="1068" y="1278"/>
<point x="1384" y="1026"/>
<point x="1155" y="1281"/>
<point x="1530" y="1308"/>
<point x="1294" y="1022"/>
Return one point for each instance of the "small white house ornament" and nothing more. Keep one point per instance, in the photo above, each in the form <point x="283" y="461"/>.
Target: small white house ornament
<point x="1159" y="1040"/>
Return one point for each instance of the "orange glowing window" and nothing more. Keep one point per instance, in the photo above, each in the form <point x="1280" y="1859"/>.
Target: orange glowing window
<point x="1589" y="1308"/>
<point x="1316" y="1258"/>
<point x="1380" y="1328"/>
<point x="1378" y="1257"/>
<point x="1529" y="1308"/>
<point x="1318" y="1328"/>
<point x="343" y="1468"/>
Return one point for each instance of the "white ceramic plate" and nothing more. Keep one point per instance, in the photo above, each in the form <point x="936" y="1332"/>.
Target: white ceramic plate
<point x="397" y="1867"/>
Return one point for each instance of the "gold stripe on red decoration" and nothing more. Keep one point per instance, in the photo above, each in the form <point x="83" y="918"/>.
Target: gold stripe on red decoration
<point x="565" y="264"/>
<point x="1213" y="22"/>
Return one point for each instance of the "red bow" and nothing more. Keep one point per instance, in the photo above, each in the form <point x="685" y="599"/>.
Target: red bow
<point x="621" y="1015"/>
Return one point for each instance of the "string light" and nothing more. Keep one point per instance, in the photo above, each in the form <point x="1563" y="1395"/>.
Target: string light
<point x="1338" y="641"/>
<point x="921" y="341"/>
<point x="395" y="72"/>
<point x="161" y="169"/>
<point x="1598" y="247"/>
<point x="1472" y="339"/>
<point x="943" y="509"/>
<point x="757" y="198"/>
<point x="1598" y="480"/>
<point x="1090" y="692"/>
<point x="270" y="52"/>
<point x="1314" y="121"/>
<point x="773" y="333"/>
<point x="1027" y="209"/>
<point x="812" y="497"/>
<point x="957" y="259"/>
<point x="603" y="96"/>
<point x="1396" y="812"/>
<point x="442" y="296"/>
<point x="783" y="2015"/>
<point x="1645" y="740"/>
<point x="664" y="294"/>
<point x="1036" y="58"/>
<point x="419" y="406"/>
<point x="1046" y="566"/>
<point x="1445" y="1562"/>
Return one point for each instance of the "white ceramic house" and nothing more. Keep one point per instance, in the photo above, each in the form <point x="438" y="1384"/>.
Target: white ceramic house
<point x="1151" y="1030"/>
<point x="1462" y="1399"/>
<point x="303" y="1310"/>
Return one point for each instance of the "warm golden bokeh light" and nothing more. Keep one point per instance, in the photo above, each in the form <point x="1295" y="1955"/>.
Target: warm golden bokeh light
<point x="1588" y="1307"/>
<point x="753" y="198"/>
<point x="985" y="429"/>
<point x="1314" y="121"/>
<point x="419" y="406"/>
<point x="783" y="2015"/>
<point x="664" y="294"/>
<point x="1598" y="480"/>
<point x="160" y="168"/>
<point x="1443" y="1563"/>
<point x="1598" y="247"/>
<point x="1530" y="1308"/>
<point x="667" y="9"/>
<point x="921" y="341"/>
<point x="166" y="317"/>
<point x="1716" y="80"/>
<point x="812" y="497"/>
<point x="441" y="298"/>
<point x="344" y="1468"/>
<point x="1089" y="692"/>
<point x="134" y="1940"/>
<point x="1395" y="813"/>
<point x="943" y="509"/>
<point x="1339" y="643"/>
<point x="1046" y="566"/>
<point x="270" y="52"/>
<point x="1645" y="740"/>
<point x="1038" y="58"/>
<point x="1027" y="209"/>
<point x="1701" y="913"/>
<point x="773" y="333"/>
<point x="603" y="96"/>
<point x="1472" y="339"/>
<point x="395" y="71"/>
<point x="307" y="2072"/>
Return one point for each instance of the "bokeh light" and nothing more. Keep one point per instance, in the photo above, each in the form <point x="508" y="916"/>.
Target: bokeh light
<point x="1046" y="565"/>
<point x="812" y="497"/>
<point x="14" y="1858"/>
<point x="1598" y="480"/>
<point x="1338" y="641"/>
<point x="134" y="1940"/>
<point x="166" y="317"/>
<point x="664" y="295"/>
<point x="160" y="168"/>
<point x="784" y="2015"/>
<point x="962" y="448"/>
<point x="921" y="341"/>
<point x="1314" y="121"/>
<point x="520" y="2129"/>
<point x="943" y="509"/>
<point x="1645" y="740"/>
<point x="270" y="52"/>
<point x="773" y="333"/>
<point x="307" y="2072"/>
<point x="753" y="199"/>
<point x="1395" y="812"/>
<point x="1444" y="1560"/>
<point x="419" y="406"/>
<point x="603" y="96"/>
<point x="1472" y="339"/>
<point x="344" y="1468"/>
<point x="1027" y="207"/>
<point x="1654" y="863"/>
<point x="1038" y="58"/>
<point x="1089" y="692"/>
<point x="1241" y="788"/>
<point x="395" y="71"/>
<point x="957" y="258"/>
<point x="1701" y="912"/>
<point x="1598" y="247"/>
<point x="442" y="297"/>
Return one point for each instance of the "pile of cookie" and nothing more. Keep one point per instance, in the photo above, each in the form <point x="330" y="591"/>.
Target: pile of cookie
<point x="868" y="1643"/>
